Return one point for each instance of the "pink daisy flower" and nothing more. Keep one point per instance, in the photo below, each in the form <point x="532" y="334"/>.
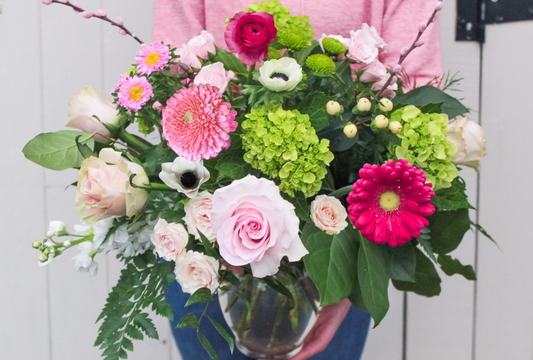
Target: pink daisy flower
<point x="152" y="58"/>
<point x="196" y="122"/>
<point x="389" y="203"/>
<point x="134" y="92"/>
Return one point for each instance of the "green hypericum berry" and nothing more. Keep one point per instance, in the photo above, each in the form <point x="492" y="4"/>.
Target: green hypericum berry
<point x="273" y="54"/>
<point x="283" y="144"/>
<point x="293" y="40"/>
<point x="320" y="63"/>
<point x="333" y="46"/>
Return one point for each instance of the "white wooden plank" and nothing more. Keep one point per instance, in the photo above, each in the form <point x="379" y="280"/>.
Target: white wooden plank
<point x="24" y="295"/>
<point x="505" y="288"/>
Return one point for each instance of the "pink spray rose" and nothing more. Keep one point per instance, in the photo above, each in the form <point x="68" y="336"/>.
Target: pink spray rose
<point x="328" y="214"/>
<point x="377" y="72"/>
<point x="195" y="270"/>
<point x="380" y="43"/>
<point x="249" y="34"/>
<point x="469" y="138"/>
<point x="215" y="75"/>
<point x="198" y="216"/>
<point x="198" y="47"/>
<point x="170" y="240"/>
<point x="255" y="225"/>
<point x="362" y="47"/>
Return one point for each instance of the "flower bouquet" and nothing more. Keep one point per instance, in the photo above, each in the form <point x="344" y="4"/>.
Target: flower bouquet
<point x="286" y="175"/>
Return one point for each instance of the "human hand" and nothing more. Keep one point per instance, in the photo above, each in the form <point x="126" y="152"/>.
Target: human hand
<point x="329" y="320"/>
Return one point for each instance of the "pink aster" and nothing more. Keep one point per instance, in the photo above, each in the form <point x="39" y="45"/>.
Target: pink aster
<point x="134" y="92"/>
<point x="152" y="58"/>
<point x="389" y="203"/>
<point x="196" y="122"/>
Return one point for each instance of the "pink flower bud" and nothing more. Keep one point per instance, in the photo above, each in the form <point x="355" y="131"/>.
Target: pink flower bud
<point x="396" y="68"/>
<point x="77" y="5"/>
<point x="122" y="32"/>
<point x="438" y="6"/>
<point x="394" y="80"/>
<point x="120" y="21"/>
<point x="420" y="42"/>
<point x="47" y="2"/>
<point x="404" y="50"/>
<point x="102" y="13"/>
<point x="87" y="14"/>
<point x="422" y="27"/>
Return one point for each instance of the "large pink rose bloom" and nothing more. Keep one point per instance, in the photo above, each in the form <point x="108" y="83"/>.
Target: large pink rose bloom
<point x="255" y="225"/>
<point x="249" y="34"/>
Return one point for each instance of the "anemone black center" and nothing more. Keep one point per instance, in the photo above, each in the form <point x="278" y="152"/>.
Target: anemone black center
<point x="281" y="76"/>
<point x="188" y="179"/>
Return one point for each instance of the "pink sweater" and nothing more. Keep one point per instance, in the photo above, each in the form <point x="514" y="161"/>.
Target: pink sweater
<point x="177" y="21"/>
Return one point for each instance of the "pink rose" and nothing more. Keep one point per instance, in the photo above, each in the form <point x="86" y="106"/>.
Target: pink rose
<point x="380" y="43"/>
<point x="198" y="216"/>
<point x="362" y="47"/>
<point x="215" y="75"/>
<point x="469" y="138"/>
<point x="377" y="72"/>
<point x="198" y="47"/>
<point x="249" y="34"/>
<point x="170" y="240"/>
<point x="255" y="225"/>
<point x="328" y="214"/>
<point x="195" y="270"/>
<point x="89" y="112"/>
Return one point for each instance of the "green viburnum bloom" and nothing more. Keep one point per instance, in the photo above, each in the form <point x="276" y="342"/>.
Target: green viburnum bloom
<point x="333" y="46"/>
<point x="273" y="54"/>
<point x="424" y="144"/>
<point x="283" y="144"/>
<point x="320" y="63"/>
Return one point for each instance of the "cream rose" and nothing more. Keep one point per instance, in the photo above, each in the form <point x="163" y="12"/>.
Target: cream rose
<point x="328" y="214"/>
<point x="215" y="75"/>
<point x="195" y="270"/>
<point x="469" y="138"/>
<point x="170" y="240"/>
<point x="198" y="216"/>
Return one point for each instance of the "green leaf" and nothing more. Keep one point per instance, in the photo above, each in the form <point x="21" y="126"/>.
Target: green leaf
<point x="134" y="333"/>
<point x="231" y="62"/>
<point x="432" y="108"/>
<point x="231" y="162"/>
<point x="223" y="332"/>
<point x="345" y="71"/>
<point x="448" y="229"/>
<point x="452" y="266"/>
<point x="423" y="240"/>
<point x="356" y="298"/>
<point x="302" y="55"/>
<point x="484" y="232"/>
<point x="300" y="205"/>
<point x="127" y="344"/>
<point x="374" y="279"/>
<point x="147" y="326"/>
<point x="207" y="346"/>
<point x="202" y="295"/>
<point x="452" y="198"/>
<point x="227" y="275"/>
<point x="84" y="150"/>
<point x="279" y="287"/>
<point x="208" y="246"/>
<point x="314" y="105"/>
<point x="331" y="262"/>
<point x="426" y="95"/>
<point x="189" y="320"/>
<point x="58" y="150"/>
<point x="402" y="262"/>
<point x="427" y="280"/>
<point x="334" y="132"/>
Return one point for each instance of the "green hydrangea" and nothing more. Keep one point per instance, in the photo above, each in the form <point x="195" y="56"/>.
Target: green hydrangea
<point x="320" y="63"/>
<point x="424" y="144"/>
<point x="283" y="144"/>
<point x="273" y="54"/>
<point x="333" y="46"/>
<point x="293" y="40"/>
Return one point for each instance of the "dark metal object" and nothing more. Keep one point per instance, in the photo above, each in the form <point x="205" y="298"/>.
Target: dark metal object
<point x="473" y="15"/>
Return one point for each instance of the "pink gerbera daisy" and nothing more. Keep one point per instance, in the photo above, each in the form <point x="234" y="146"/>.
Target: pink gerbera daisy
<point x="389" y="202"/>
<point x="134" y="92"/>
<point x="196" y="122"/>
<point x="152" y="58"/>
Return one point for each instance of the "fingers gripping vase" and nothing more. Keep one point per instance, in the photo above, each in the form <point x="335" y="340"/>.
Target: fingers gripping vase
<point x="267" y="324"/>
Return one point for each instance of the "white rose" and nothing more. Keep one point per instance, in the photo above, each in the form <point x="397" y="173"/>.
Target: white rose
<point x="280" y="75"/>
<point x="198" y="216"/>
<point x="195" y="270"/>
<point x="328" y="214"/>
<point x="469" y="138"/>
<point x="184" y="175"/>
<point x="362" y="47"/>
<point x="215" y="75"/>
<point x="170" y="240"/>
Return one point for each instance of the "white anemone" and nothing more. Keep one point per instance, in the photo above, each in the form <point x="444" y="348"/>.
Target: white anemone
<point x="184" y="175"/>
<point x="280" y="75"/>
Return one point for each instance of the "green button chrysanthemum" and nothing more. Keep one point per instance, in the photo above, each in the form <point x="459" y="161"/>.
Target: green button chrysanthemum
<point x="283" y="144"/>
<point x="273" y="54"/>
<point x="333" y="46"/>
<point x="320" y="63"/>
<point x="293" y="40"/>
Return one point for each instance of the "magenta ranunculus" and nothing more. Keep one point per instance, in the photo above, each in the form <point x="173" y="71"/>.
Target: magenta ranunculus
<point x="255" y="225"/>
<point x="249" y="34"/>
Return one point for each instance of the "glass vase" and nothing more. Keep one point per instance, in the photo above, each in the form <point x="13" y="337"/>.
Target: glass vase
<point x="271" y="326"/>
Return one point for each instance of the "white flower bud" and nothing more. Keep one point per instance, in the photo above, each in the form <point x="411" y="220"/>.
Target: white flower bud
<point x="385" y="105"/>
<point x="395" y="127"/>
<point x="350" y="130"/>
<point x="364" y="104"/>
<point x="381" y="122"/>
<point x="333" y="107"/>
<point x="43" y="257"/>
<point x="50" y="233"/>
<point x="36" y="244"/>
<point x="66" y="243"/>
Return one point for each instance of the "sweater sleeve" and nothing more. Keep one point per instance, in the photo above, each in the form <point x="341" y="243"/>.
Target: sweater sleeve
<point x="177" y="21"/>
<point x="401" y="19"/>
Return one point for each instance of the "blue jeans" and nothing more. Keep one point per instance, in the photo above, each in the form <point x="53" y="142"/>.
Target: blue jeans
<point x="347" y="344"/>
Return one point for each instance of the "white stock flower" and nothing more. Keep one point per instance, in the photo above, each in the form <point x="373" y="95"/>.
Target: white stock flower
<point x="83" y="261"/>
<point x="184" y="175"/>
<point x="328" y="214"/>
<point x="170" y="240"/>
<point x="195" y="270"/>
<point x="469" y="138"/>
<point x="55" y="228"/>
<point x="280" y="75"/>
<point x="133" y="241"/>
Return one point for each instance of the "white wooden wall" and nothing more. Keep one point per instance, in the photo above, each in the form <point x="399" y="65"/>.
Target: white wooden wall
<point x="48" y="54"/>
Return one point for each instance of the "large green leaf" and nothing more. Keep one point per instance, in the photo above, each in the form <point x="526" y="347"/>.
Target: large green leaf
<point x="301" y="207"/>
<point x="431" y="95"/>
<point x="356" y="297"/>
<point x="338" y="141"/>
<point x="58" y="150"/>
<point x="372" y="272"/>
<point x="402" y="262"/>
<point x="452" y="198"/>
<point x="314" y="105"/>
<point x="448" y="229"/>
<point x="331" y="262"/>
<point x="231" y="62"/>
<point x="427" y="280"/>
<point x="302" y="55"/>
<point x="452" y="266"/>
<point x="231" y="162"/>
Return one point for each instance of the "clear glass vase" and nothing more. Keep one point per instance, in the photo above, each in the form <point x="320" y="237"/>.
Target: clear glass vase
<point x="272" y="326"/>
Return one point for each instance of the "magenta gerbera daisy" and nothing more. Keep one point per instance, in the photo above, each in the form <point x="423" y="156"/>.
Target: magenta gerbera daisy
<point x="134" y="92"/>
<point x="152" y="58"/>
<point x="389" y="203"/>
<point x="196" y="122"/>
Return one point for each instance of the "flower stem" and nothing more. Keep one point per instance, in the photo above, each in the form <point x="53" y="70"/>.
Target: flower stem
<point x="136" y="143"/>
<point x="342" y="191"/>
